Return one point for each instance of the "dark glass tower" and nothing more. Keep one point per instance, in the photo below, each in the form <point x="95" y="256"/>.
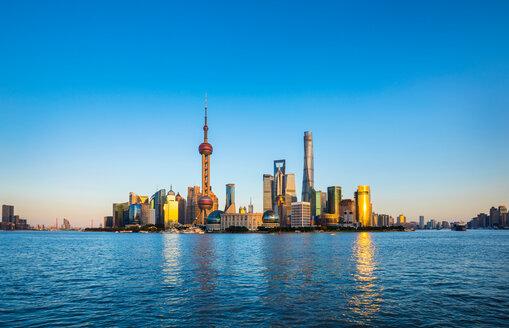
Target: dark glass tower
<point x="308" y="177"/>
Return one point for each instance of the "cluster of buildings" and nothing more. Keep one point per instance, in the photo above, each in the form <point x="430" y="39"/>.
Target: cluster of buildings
<point x="281" y="206"/>
<point x="11" y="221"/>
<point x="498" y="218"/>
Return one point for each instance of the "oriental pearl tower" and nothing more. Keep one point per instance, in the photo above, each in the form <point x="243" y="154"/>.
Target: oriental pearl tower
<point x="205" y="202"/>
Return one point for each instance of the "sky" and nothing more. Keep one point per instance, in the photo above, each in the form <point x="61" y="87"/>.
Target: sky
<point x="101" y="98"/>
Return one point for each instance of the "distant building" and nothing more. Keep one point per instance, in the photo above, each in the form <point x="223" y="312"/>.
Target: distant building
<point x="301" y="214"/>
<point x="493" y="217"/>
<point x="250" y="208"/>
<point x="334" y="200"/>
<point x="7" y="213"/>
<point x="66" y="225"/>
<point x="364" y="207"/>
<point x="270" y="219"/>
<point x="382" y="220"/>
<point x="118" y="214"/>
<point x="308" y="175"/>
<point x="108" y="221"/>
<point x="502" y="216"/>
<point x="136" y="199"/>
<point x="157" y="202"/>
<point x="192" y="211"/>
<point x="214" y="221"/>
<point x="401" y="219"/>
<point x="230" y="198"/>
<point x="249" y="220"/>
<point x="268" y="201"/>
<point x="145" y="214"/>
<point x="316" y="202"/>
<point x="134" y="214"/>
<point x="182" y="208"/>
<point x="280" y="190"/>
<point x="327" y="220"/>
<point x="347" y="207"/>
<point x="421" y="222"/>
<point x="171" y="210"/>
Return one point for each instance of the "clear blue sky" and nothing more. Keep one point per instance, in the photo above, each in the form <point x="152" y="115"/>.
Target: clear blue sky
<point x="101" y="98"/>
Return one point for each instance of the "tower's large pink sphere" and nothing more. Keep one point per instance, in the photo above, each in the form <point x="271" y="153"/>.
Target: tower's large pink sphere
<point x="205" y="203"/>
<point x="205" y="148"/>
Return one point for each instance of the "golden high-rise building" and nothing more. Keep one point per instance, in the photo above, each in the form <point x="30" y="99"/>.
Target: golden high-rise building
<point x="363" y="206"/>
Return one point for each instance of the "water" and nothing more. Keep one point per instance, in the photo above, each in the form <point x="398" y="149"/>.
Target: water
<point x="427" y="278"/>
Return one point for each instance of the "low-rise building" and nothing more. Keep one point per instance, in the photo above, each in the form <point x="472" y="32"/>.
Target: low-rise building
<point x="249" y="220"/>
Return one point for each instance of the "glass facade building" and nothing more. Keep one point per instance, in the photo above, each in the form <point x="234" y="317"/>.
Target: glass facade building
<point x="230" y="198"/>
<point x="363" y="204"/>
<point x="135" y="214"/>
<point x="308" y="177"/>
<point x="334" y="200"/>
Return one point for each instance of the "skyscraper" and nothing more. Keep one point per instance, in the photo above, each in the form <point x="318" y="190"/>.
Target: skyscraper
<point x="268" y="200"/>
<point x="230" y="198"/>
<point x="182" y="208"/>
<point x="315" y="202"/>
<point x="279" y="178"/>
<point x="308" y="176"/>
<point x="363" y="203"/>
<point x="7" y="213"/>
<point x="334" y="200"/>
<point x="301" y="214"/>
<point x="157" y="202"/>
<point x="502" y="215"/>
<point x="171" y="209"/>
<point x="493" y="216"/>
<point x="421" y="222"/>
<point x="193" y="193"/>
<point x="118" y="214"/>
<point x="290" y="187"/>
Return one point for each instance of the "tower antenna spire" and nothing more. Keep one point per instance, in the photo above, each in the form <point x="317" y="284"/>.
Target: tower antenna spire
<point x="205" y="127"/>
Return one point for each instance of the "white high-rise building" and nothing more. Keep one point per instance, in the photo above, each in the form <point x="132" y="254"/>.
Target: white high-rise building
<point x="301" y="214"/>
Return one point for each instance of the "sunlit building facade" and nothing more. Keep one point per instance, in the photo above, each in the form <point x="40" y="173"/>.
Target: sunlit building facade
<point x="230" y="198"/>
<point x="301" y="214"/>
<point x="363" y="206"/>
<point x="268" y="185"/>
<point x="249" y="220"/>
<point x="334" y="200"/>
<point x="171" y="211"/>
<point x="316" y="202"/>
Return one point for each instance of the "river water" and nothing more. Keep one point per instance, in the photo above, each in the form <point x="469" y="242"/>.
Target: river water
<point x="384" y="279"/>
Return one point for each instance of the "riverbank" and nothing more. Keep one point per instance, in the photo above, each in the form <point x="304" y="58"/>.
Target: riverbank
<point x="155" y="229"/>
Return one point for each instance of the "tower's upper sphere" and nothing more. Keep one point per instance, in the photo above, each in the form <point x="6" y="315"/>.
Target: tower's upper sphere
<point x="205" y="203"/>
<point x="205" y="148"/>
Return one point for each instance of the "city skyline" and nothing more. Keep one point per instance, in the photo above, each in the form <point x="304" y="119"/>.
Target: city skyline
<point x="422" y="122"/>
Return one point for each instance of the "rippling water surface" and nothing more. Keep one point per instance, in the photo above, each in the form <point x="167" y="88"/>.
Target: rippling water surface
<point x="426" y="278"/>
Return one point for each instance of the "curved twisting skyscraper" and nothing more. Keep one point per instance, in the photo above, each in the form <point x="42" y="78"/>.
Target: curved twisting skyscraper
<point x="308" y="178"/>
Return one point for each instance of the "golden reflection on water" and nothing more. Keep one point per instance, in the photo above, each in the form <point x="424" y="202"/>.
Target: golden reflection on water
<point x="365" y="302"/>
<point x="171" y="254"/>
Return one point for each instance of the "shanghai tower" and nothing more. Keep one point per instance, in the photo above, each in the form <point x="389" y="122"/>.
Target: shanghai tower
<point x="308" y="177"/>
